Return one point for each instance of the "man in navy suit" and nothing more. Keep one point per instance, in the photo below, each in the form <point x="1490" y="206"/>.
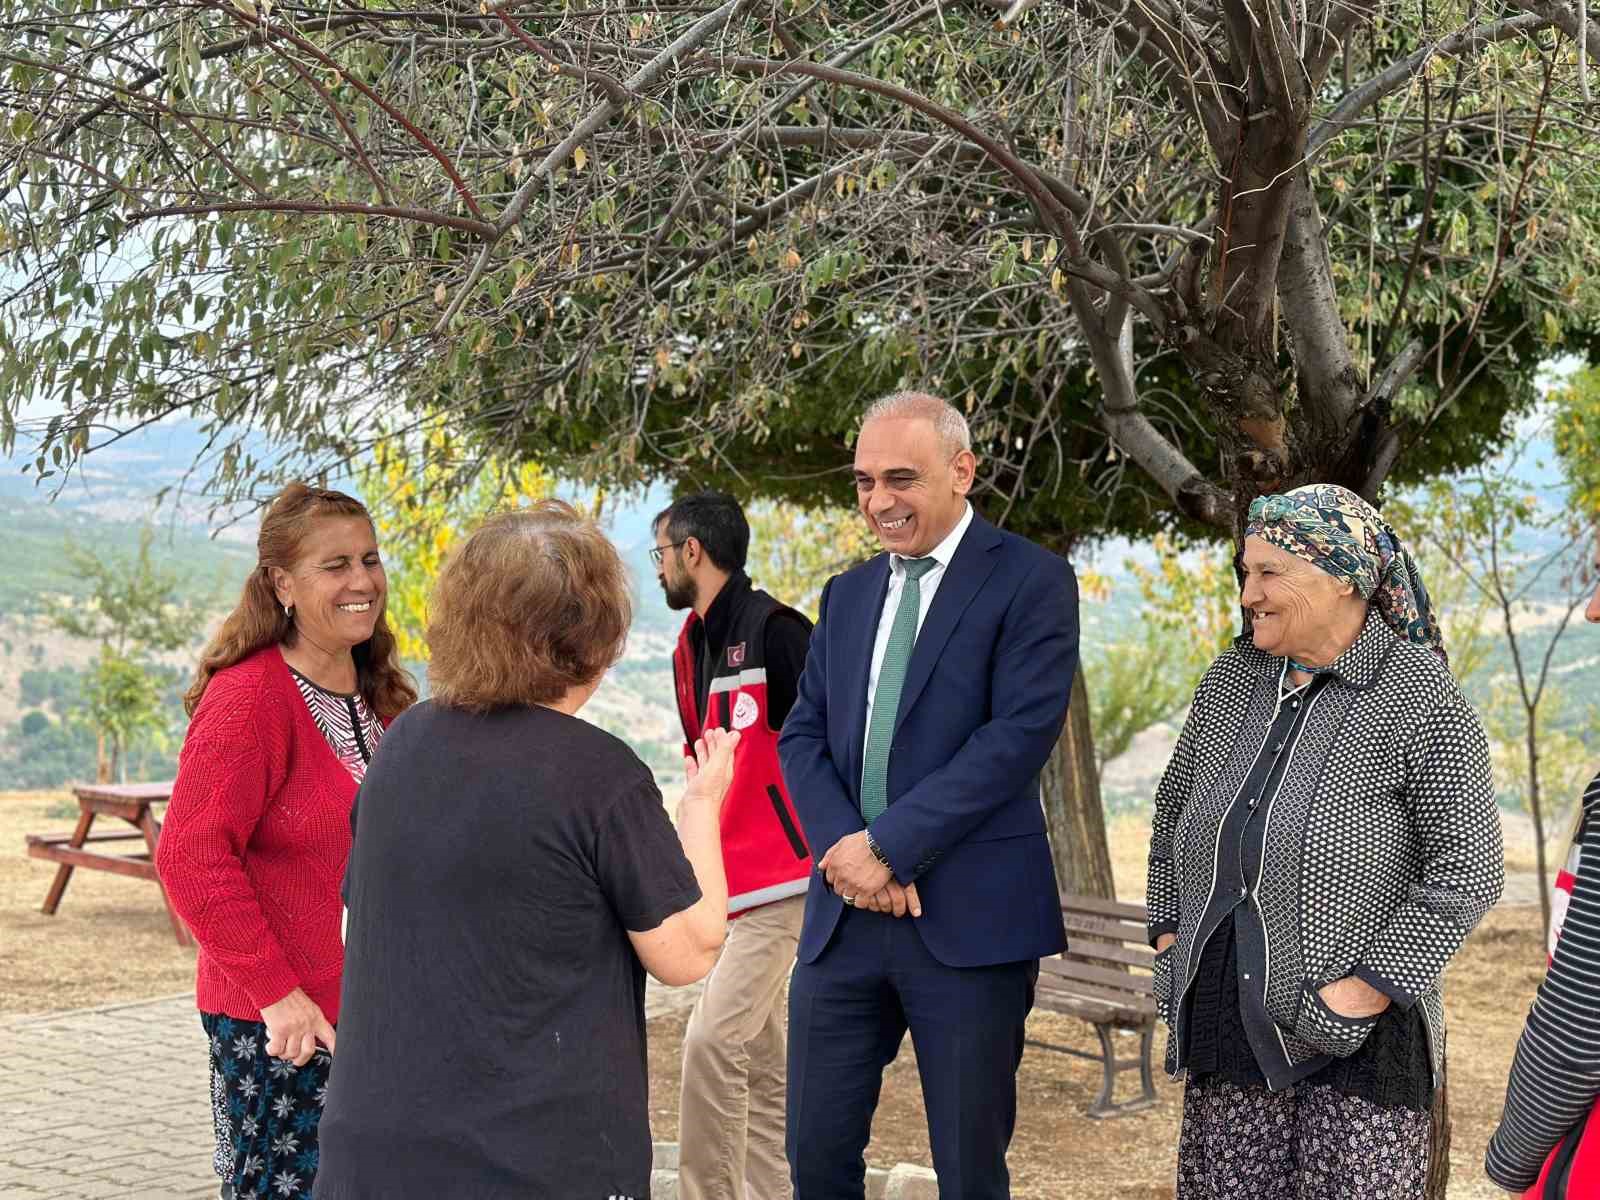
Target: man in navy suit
<point x="933" y="693"/>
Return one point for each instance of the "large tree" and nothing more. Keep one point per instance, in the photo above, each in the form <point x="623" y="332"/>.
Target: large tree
<point x="1168" y="256"/>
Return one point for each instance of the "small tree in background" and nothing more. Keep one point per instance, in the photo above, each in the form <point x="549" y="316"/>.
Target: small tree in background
<point x="133" y="609"/>
<point x="121" y="704"/>
<point x="1519" y="563"/>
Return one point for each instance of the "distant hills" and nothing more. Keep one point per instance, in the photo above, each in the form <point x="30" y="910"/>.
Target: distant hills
<point x="108" y="503"/>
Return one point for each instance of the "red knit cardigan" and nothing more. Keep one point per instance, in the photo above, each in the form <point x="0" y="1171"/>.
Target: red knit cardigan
<point x="254" y="846"/>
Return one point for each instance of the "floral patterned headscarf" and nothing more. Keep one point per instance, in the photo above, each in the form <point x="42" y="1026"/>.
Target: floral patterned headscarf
<point x="1338" y="532"/>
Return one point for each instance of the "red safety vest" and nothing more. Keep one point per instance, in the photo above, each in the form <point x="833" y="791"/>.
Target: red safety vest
<point x="764" y="850"/>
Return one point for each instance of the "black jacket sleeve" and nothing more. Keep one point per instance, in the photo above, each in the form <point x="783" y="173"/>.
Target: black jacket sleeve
<point x="787" y="638"/>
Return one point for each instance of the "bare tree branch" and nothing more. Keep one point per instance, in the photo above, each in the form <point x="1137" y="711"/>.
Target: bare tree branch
<point x="1387" y="452"/>
<point x="1391" y="79"/>
<point x="647" y="76"/>
<point x="1565" y="19"/>
<point x="400" y="213"/>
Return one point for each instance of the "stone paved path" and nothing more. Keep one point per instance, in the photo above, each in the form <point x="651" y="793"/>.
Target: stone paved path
<point x="106" y="1102"/>
<point x="113" y="1102"/>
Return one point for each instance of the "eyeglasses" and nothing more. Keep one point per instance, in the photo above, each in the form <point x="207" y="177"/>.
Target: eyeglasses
<point x="657" y="552"/>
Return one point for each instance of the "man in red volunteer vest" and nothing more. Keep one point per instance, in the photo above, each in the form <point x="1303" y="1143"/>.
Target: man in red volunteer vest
<point x="737" y="666"/>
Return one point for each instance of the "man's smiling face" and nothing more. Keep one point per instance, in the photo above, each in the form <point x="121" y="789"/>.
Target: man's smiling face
<point x="910" y="486"/>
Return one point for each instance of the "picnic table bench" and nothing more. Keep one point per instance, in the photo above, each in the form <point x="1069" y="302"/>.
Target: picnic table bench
<point x="132" y="802"/>
<point x="1105" y="978"/>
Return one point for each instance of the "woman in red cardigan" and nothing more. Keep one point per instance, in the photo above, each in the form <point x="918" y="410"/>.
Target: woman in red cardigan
<point x="288" y="705"/>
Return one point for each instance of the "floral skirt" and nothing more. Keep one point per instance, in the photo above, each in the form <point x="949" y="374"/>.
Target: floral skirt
<point x="1307" y="1142"/>
<point x="265" y="1111"/>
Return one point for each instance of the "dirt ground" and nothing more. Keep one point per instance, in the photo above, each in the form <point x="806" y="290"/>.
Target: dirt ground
<point x="111" y="942"/>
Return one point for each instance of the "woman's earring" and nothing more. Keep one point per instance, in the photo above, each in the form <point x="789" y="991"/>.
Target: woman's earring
<point x="288" y="611"/>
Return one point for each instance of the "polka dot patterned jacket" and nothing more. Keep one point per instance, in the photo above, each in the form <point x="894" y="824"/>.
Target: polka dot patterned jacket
<point x="1380" y="843"/>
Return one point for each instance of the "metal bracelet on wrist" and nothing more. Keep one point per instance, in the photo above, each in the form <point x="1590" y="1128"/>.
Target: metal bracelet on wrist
<point x="877" y="852"/>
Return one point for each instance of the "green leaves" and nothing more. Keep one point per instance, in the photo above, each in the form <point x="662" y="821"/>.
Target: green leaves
<point x="1576" y="433"/>
<point x="792" y="248"/>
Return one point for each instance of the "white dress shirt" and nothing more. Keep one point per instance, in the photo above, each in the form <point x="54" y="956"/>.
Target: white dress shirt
<point x="941" y="554"/>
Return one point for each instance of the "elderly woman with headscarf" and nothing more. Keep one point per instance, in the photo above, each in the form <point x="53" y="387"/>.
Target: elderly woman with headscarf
<point x="1325" y="836"/>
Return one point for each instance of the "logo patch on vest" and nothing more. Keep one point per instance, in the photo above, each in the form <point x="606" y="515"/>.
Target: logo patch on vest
<point x="745" y="711"/>
<point x="736" y="655"/>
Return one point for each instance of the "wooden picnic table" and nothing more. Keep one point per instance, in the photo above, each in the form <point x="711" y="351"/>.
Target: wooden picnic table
<point x="133" y="803"/>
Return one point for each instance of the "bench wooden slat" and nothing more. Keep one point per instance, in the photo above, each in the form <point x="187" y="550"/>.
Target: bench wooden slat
<point x="65" y="839"/>
<point x="1105" y="989"/>
<point x="1126" y="982"/>
<point x="136" y="866"/>
<point x="1095" y="1012"/>
<point x="1115" y="909"/>
<point x="1106" y="927"/>
<point x="1081" y="999"/>
<point x="1129" y="956"/>
<point x="1094" y="1003"/>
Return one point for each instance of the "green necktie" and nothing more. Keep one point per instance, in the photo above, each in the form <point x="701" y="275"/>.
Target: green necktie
<point x="891" y="678"/>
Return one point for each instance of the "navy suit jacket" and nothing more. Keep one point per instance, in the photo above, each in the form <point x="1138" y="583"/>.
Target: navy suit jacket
<point x="983" y="704"/>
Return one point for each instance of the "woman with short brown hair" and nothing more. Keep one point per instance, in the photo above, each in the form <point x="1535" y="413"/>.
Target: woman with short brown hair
<point x="288" y="704"/>
<point x="514" y="875"/>
<point x="534" y="603"/>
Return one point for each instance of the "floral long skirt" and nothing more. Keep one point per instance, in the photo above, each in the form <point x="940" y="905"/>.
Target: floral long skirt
<point x="1307" y="1142"/>
<point x="265" y="1110"/>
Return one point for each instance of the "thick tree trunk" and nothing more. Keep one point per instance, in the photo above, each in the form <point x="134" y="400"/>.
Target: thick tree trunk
<point x="1439" y="1140"/>
<point x="1070" y="787"/>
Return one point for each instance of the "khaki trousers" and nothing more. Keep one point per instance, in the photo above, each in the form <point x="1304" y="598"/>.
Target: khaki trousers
<point x="730" y="1115"/>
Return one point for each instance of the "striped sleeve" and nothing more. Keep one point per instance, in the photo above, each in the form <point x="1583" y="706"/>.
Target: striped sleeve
<point x="1555" y="1077"/>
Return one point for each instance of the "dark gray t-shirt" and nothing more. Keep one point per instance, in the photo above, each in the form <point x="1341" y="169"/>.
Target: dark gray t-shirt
<point x="491" y="1035"/>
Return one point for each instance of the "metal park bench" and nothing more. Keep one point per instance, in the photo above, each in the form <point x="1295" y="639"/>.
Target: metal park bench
<point x="1105" y="979"/>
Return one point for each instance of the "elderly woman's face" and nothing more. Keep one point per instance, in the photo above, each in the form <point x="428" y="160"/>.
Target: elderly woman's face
<point x="1291" y="603"/>
<point x="338" y="586"/>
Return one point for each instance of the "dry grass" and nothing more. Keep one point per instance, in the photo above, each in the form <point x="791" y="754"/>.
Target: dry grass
<point x="111" y="942"/>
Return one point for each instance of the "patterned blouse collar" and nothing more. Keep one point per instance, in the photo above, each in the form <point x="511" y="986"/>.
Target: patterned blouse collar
<point x="1358" y="667"/>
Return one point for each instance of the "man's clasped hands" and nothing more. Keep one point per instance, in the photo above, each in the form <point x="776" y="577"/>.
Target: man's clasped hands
<point x="861" y="881"/>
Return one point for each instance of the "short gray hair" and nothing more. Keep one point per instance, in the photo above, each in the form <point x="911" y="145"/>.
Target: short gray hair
<point x="947" y="420"/>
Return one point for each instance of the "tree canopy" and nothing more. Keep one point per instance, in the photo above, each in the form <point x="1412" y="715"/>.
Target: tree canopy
<point x="1167" y="256"/>
<point x="1577" y="441"/>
